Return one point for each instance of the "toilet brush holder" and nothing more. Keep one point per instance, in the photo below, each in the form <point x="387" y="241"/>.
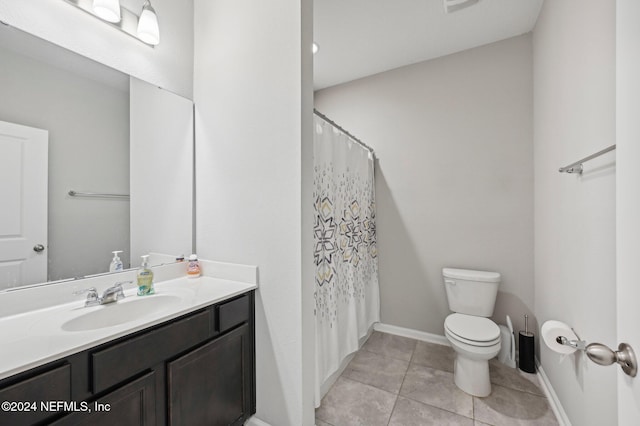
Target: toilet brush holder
<point x="527" y="349"/>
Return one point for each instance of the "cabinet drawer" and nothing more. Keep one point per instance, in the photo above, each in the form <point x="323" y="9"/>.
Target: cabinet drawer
<point x="232" y="313"/>
<point x="123" y="360"/>
<point x="53" y="385"/>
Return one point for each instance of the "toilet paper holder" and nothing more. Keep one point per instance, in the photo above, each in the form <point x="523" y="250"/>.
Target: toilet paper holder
<point x="603" y="355"/>
<point x="577" y="344"/>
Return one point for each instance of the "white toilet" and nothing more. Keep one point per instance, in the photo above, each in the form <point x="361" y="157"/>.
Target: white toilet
<point x="474" y="337"/>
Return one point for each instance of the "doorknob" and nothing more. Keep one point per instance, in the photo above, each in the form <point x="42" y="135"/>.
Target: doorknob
<point x="601" y="354"/>
<point x="38" y="248"/>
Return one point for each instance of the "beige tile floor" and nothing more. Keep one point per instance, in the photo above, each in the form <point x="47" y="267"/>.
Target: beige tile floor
<point x="396" y="381"/>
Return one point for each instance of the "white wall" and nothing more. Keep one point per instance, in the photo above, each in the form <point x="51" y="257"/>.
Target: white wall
<point x="161" y="172"/>
<point x="454" y="181"/>
<point x="308" y="265"/>
<point x="249" y="85"/>
<point x="575" y="275"/>
<point x="168" y="65"/>
<point x="628" y="197"/>
<point x="88" y="124"/>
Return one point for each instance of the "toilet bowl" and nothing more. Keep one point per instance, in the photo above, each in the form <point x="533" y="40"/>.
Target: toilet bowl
<point x="474" y="338"/>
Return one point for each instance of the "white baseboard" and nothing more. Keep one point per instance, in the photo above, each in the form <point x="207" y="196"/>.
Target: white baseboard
<point x="551" y="395"/>
<point x="412" y="334"/>
<point x="254" y="421"/>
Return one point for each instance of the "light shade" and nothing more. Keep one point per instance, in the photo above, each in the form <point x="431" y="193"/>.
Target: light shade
<point x="148" y="30"/>
<point x="109" y="10"/>
<point x="451" y="6"/>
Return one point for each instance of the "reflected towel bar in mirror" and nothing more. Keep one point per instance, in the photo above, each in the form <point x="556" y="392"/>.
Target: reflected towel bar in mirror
<point x="577" y="166"/>
<point x="97" y="195"/>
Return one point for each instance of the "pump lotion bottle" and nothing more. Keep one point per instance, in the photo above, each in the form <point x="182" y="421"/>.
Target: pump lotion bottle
<point x="116" y="264"/>
<point x="145" y="278"/>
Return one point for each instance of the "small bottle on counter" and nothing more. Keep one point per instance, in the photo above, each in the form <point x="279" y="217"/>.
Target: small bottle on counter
<point x="193" y="268"/>
<point x="145" y="278"/>
<point x="116" y="264"/>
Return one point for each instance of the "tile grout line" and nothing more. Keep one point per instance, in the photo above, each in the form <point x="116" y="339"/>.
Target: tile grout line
<point x="540" y="391"/>
<point x="393" y="409"/>
<point x="378" y="388"/>
<point x="388" y="356"/>
<point x="384" y="355"/>
<point x="368" y="384"/>
<point x="507" y="386"/>
<point x="403" y="379"/>
<point x="436" y="407"/>
<point x="422" y="402"/>
<point x="521" y="391"/>
<point x="431" y="405"/>
<point x="376" y="353"/>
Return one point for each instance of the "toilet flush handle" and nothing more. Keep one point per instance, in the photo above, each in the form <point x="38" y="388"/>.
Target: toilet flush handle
<point x="450" y="282"/>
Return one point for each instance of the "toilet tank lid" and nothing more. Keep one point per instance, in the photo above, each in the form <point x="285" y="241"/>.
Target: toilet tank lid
<point x="470" y="275"/>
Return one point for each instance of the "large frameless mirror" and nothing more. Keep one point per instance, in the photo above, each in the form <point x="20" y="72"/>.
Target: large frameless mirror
<point x="65" y="162"/>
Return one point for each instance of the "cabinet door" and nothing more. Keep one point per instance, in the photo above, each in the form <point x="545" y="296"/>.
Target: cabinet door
<point x="131" y="405"/>
<point x="52" y="385"/>
<point x="211" y="385"/>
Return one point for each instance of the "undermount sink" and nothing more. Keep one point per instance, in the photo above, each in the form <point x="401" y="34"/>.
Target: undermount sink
<point x="117" y="313"/>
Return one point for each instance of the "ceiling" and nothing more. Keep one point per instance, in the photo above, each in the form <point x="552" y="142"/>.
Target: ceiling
<point x="358" y="38"/>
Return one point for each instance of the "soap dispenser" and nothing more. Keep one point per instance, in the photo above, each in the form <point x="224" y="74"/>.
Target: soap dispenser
<point x="193" y="268"/>
<point x="116" y="263"/>
<point x="145" y="278"/>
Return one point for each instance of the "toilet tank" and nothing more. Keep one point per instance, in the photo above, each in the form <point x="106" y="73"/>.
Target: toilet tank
<point x="471" y="292"/>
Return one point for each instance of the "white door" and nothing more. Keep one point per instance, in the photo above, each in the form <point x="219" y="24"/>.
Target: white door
<point x="628" y="199"/>
<point x="23" y="201"/>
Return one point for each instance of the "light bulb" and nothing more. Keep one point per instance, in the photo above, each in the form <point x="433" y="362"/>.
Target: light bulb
<point x="148" y="30"/>
<point x="109" y="10"/>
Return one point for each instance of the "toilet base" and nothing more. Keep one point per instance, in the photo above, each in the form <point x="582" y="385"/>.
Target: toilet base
<point x="472" y="375"/>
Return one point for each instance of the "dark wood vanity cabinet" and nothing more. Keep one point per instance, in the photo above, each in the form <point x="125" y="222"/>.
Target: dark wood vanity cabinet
<point x="133" y="404"/>
<point x="208" y="386"/>
<point x="198" y="369"/>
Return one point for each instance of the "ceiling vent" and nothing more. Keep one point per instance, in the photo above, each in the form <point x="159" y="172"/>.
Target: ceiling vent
<point x="451" y="6"/>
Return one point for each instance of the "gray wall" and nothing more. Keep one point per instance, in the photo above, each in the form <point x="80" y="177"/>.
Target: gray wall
<point x="574" y="109"/>
<point x="454" y="180"/>
<point x="88" y="124"/>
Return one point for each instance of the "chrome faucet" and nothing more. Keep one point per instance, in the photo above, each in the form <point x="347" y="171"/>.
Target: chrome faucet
<point x="113" y="294"/>
<point x="92" y="296"/>
<point x="110" y="295"/>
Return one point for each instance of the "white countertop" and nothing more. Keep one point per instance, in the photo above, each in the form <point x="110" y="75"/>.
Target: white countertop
<point x="36" y="337"/>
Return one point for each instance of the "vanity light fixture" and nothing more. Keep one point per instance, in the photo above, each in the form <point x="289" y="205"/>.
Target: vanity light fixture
<point x="143" y="28"/>
<point x="148" y="30"/>
<point x="109" y="10"/>
<point x="451" y="6"/>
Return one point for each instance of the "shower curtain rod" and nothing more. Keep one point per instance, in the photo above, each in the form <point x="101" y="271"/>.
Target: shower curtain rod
<point x="333" y="123"/>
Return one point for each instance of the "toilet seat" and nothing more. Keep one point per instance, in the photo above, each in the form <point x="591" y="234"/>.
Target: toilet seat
<point x="472" y="330"/>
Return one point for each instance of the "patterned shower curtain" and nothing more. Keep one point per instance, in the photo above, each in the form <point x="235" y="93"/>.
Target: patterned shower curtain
<point x="345" y="254"/>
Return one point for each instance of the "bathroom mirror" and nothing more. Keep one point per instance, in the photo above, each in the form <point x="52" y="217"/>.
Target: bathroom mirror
<point x="84" y="107"/>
